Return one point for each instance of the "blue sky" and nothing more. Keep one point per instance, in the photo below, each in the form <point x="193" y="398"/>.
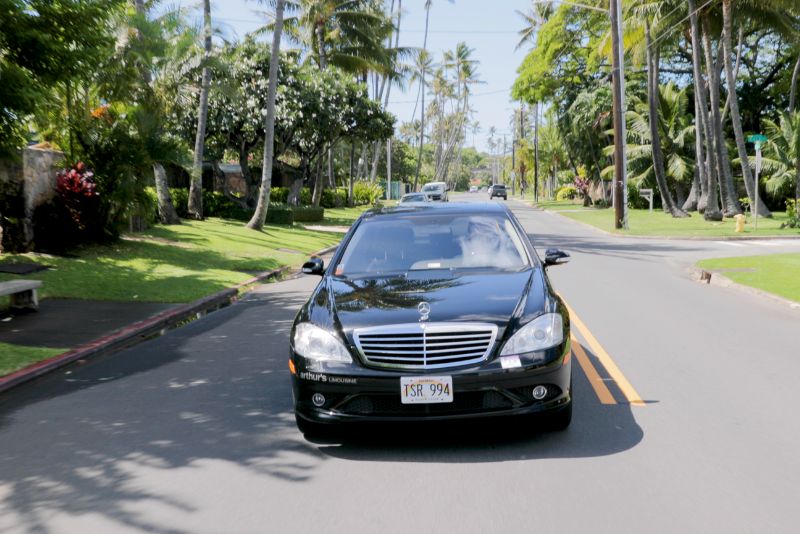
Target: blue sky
<point x="488" y="26"/>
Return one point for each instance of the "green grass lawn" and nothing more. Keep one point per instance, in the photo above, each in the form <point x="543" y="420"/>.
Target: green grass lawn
<point x="341" y="216"/>
<point x="15" y="357"/>
<point x="776" y="273"/>
<point x="174" y="263"/>
<point x="658" y="223"/>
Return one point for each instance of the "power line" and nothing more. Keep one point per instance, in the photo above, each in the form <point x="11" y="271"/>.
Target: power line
<point x="677" y="24"/>
<point x="471" y="95"/>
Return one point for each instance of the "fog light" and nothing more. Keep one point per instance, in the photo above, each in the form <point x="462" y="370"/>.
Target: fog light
<point x="318" y="399"/>
<point x="539" y="392"/>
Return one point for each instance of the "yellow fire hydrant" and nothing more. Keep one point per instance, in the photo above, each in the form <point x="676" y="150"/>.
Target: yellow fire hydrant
<point x="739" y="223"/>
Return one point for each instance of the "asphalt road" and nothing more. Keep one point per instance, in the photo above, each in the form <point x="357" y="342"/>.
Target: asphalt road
<point x="192" y="432"/>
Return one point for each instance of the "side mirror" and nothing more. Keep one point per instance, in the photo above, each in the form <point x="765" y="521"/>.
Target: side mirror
<point x="553" y="256"/>
<point x="314" y="266"/>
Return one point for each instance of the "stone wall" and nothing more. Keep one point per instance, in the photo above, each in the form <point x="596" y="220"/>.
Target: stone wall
<point x="26" y="184"/>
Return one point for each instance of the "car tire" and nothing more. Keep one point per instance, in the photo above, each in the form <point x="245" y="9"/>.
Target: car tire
<point x="505" y="198"/>
<point x="310" y="429"/>
<point x="560" y="420"/>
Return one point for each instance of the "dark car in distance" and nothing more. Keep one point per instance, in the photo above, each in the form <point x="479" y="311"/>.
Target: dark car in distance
<point x="498" y="190"/>
<point x="432" y="312"/>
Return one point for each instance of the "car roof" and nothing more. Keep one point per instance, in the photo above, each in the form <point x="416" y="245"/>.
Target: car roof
<point x="455" y="208"/>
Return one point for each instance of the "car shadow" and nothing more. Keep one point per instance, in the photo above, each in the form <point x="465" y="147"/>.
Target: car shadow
<point x="596" y="430"/>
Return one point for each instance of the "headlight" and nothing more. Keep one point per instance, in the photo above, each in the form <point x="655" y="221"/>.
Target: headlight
<point x="314" y="343"/>
<point x="542" y="333"/>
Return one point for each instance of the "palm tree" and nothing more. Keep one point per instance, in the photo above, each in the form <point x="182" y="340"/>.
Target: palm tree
<point x="537" y="15"/>
<point x="422" y="88"/>
<point x="736" y="118"/>
<point x="348" y="34"/>
<point x="675" y="130"/>
<point x="166" y="209"/>
<point x="783" y="155"/>
<point x="260" y="215"/>
<point x="196" y="187"/>
<point x="423" y="66"/>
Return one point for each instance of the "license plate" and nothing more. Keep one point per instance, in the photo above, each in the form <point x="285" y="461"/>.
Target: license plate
<point x="426" y="389"/>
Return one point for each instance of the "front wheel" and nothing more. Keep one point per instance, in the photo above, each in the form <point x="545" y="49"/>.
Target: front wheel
<point x="505" y="198"/>
<point x="561" y="419"/>
<point x="310" y="429"/>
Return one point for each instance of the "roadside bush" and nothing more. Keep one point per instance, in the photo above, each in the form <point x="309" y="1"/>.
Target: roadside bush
<point x="280" y="214"/>
<point x="334" y="198"/>
<point x="308" y="213"/>
<point x="366" y="193"/>
<point x="635" y="200"/>
<point x="566" y="192"/>
<point x="793" y="212"/>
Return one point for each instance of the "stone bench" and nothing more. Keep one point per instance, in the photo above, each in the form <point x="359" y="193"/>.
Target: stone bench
<point x="22" y="292"/>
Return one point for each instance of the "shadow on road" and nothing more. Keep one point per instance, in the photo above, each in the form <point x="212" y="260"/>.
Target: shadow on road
<point x="630" y="249"/>
<point x="596" y="430"/>
<point x="116" y="436"/>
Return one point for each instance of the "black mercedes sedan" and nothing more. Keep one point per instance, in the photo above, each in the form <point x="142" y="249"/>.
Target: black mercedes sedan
<point x="432" y="312"/>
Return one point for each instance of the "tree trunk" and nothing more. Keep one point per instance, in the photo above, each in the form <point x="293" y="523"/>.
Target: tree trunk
<point x="166" y="210"/>
<point x="736" y="117"/>
<point x="295" y="192"/>
<point x="793" y="90"/>
<point x="319" y="184"/>
<point x="667" y="201"/>
<point x="712" y="212"/>
<point x="701" y="112"/>
<point x="352" y="172"/>
<point x="422" y="89"/>
<point x="694" y="193"/>
<point x="196" y="187"/>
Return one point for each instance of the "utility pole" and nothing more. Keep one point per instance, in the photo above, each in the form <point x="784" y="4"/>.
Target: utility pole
<point x="514" y="164"/>
<point x="536" y="154"/>
<point x="522" y="139"/>
<point x="503" y="160"/>
<point x="389" y="169"/>
<point x="620" y="136"/>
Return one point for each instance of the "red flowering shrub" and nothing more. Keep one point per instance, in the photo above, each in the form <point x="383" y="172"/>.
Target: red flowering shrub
<point x="79" y="196"/>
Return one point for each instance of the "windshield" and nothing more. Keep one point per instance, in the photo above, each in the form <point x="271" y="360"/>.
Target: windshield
<point x="414" y="243"/>
<point x="413" y="198"/>
<point x="432" y="187"/>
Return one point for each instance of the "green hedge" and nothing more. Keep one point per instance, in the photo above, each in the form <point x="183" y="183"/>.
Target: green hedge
<point x="308" y="213"/>
<point x="218" y="205"/>
<point x="280" y="214"/>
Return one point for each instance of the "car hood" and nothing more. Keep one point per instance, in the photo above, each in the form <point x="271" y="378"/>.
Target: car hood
<point x="489" y="297"/>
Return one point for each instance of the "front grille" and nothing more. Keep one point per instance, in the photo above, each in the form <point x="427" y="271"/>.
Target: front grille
<point x="425" y="345"/>
<point x="464" y="402"/>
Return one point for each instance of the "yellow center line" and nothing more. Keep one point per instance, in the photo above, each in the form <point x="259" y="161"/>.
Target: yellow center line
<point x="611" y="368"/>
<point x="599" y="386"/>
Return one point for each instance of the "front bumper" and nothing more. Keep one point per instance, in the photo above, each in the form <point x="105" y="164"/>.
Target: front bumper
<point x="368" y="395"/>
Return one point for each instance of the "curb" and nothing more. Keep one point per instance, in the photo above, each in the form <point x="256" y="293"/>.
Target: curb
<point x="703" y="276"/>
<point x="140" y="331"/>
<point x="677" y="238"/>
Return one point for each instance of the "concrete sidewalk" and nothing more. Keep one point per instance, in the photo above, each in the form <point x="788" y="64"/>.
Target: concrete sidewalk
<point x="68" y="323"/>
<point x="87" y="328"/>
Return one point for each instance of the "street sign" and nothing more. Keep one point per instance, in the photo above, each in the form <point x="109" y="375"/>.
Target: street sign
<point x="757" y="139"/>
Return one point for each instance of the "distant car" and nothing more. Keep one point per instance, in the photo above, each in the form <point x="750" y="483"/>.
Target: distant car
<point x="412" y="198"/>
<point x="473" y="189"/>
<point x="498" y="190"/>
<point x="436" y="191"/>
